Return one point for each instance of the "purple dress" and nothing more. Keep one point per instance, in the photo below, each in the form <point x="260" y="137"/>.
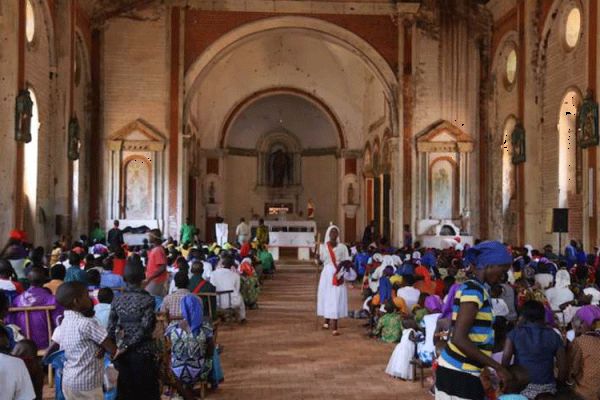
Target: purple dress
<point x="447" y="308"/>
<point x="35" y="296"/>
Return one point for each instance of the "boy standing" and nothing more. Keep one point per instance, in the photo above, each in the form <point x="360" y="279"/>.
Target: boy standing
<point x="84" y="341"/>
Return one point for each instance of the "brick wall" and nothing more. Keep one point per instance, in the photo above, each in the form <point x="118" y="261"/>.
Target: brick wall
<point x="562" y="71"/>
<point x="202" y="28"/>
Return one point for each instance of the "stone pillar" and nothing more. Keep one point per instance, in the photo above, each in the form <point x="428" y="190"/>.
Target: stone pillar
<point x="8" y="87"/>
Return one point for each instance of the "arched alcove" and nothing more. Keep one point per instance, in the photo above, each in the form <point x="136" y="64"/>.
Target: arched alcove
<point x="567" y="147"/>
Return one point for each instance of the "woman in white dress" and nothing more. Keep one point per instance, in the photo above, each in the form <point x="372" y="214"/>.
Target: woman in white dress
<point x="332" y="297"/>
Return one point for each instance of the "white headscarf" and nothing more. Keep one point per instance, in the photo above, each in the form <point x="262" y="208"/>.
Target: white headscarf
<point x="377" y="257"/>
<point x="563" y="279"/>
<point x="326" y="237"/>
<point x="529" y="249"/>
<point x="397" y="260"/>
<point x="388" y="261"/>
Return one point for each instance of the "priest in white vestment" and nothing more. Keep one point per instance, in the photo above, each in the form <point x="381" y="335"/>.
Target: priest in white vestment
<point x="332" y="297"/>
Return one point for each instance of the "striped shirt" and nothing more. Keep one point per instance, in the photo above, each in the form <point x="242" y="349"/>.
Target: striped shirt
<point x="481" y="333"/>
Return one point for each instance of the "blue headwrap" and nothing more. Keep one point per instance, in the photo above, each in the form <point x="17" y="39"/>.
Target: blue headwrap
<point x="488" y="253"/>
<point x="428" y="259"/>
<point x="191" y="308"/>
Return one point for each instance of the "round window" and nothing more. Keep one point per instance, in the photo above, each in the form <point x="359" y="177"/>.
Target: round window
<point x="511" y="67"/>
<point x="573" y="27"/>
<point x="29" y="22"/>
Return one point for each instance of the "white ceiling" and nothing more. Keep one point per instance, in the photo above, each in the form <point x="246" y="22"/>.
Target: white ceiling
<point x="283" y="112"/>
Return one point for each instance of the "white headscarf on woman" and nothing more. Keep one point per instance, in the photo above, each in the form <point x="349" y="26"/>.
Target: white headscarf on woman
<point x="328" y="231"/>
<point x="563" y="279"/>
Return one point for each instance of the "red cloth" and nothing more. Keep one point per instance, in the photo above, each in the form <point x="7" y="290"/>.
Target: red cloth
<point x="119" y="266"/>
<point x="157" y="258"/>
<point x="245" y="250"/>
<point x="18" y="234"/>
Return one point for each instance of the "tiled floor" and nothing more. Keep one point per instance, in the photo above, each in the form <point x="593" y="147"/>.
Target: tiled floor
<point x="280" y="353"/>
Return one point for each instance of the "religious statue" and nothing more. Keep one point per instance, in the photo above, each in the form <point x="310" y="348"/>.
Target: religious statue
<point x="279" y="168"/>
<point x="23" y="112"/>
<point x="211" y="193"/>
<point x="518" y="144"/>
<point x="310" y="209"/>
<point x="73" y="152"/>
<point x="350" y="194"/>
<point x="587" y="123"/>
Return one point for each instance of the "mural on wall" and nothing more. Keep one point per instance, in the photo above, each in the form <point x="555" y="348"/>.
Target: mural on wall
<point x="587" y="123"/>
<point x="137" y="189"/>
<point x="442" y="194"/>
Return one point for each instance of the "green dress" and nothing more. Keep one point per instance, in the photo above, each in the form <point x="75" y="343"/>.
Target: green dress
<point x="249" y="289"/>
<point x="389" y="327"/>
<point x="187" y="233"/>
<point x="266" y="260"/>
<point x="98" y="234"/>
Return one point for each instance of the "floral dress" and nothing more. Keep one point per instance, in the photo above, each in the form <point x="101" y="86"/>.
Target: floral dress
<point x="190" y="362"/>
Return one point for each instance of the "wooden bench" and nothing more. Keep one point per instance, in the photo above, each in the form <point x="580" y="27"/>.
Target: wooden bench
<point x="47" y="311"/>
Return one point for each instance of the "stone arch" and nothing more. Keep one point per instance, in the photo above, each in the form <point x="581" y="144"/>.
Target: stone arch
<point x="239" y="108"/>
<point x="328" y="30"/>
<point x="222" y="51"/>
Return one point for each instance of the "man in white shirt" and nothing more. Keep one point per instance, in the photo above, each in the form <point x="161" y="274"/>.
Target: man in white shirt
<point x="221" y="231"/>
<point x="408" y="292"/>
<point x="242" y="231"/>
<point x="224" y="279"/>
<point x="15" y="383"/>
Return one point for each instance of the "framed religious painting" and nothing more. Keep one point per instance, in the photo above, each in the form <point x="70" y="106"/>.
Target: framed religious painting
<point x="518" y="144"/>
<point x="587" y="123"/>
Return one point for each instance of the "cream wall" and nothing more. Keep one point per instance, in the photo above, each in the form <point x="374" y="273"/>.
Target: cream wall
<point x="319" y="179"/>
<point x="135" y="85"/>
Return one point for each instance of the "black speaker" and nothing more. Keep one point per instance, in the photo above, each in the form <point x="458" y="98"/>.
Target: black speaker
<point x="560" y="220"/>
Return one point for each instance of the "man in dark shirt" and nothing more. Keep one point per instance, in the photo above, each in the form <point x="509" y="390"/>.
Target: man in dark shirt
<point x="115" y="237"/>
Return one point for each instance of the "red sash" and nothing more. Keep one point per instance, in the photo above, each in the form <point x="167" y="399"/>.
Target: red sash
<point x="336" y="281"/>
<point x="197" y="288"/>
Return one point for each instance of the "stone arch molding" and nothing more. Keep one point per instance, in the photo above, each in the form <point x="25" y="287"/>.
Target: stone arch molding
<point x="309" y="26"/>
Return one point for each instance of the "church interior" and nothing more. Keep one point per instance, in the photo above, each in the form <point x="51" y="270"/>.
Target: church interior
<point x="398" y="112"/>
<point x="435" y="119"/>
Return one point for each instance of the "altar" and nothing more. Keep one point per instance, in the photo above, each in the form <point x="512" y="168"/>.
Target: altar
<point x="299" y="235"/>
<point x="135" y="230"/>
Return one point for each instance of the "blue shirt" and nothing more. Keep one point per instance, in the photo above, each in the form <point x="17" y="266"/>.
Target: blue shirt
<point x="110" y="280"/>
<point x="360" y="261"/>
<point x="535" y="347"/>
<point x="101" y="313"/>
<point x="76" y="274"/>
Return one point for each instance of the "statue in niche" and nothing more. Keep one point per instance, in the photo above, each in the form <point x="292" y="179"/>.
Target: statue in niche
<point x="350" y="194"/>
<point x="23" y="114"/>
<point x="73" y="152"/>
<point x="279" y="168"/>
<point x="211" y="193"/>
<point x="310" y="209"/>
<point x="518" y="144"/>
<point x="587" y="122"/>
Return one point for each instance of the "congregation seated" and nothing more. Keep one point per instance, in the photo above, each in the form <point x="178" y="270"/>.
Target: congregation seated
<point x="36" y="322"/>
<point x="171" y="302"/>
<point x="228" y="281"/>
<point x="108" y="278"/>
<point x="57" y="277"/>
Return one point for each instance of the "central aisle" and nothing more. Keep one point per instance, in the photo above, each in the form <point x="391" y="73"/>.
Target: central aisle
<point x="280" y="354"/>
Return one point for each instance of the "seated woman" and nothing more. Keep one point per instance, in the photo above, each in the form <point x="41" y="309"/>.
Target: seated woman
<point x="250" y="287"/>
<point x="536" y="346"/>
<point x="191" y="346"/>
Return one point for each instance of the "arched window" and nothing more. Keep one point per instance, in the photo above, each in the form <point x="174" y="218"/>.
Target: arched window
<point x="508" y="181"/>
<point x="30" y="170"/>
<point x="29" y="22"/>
<point x="572" y="27"/>
<point x="511" y="67"/>
<point x="567" y="143"/>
